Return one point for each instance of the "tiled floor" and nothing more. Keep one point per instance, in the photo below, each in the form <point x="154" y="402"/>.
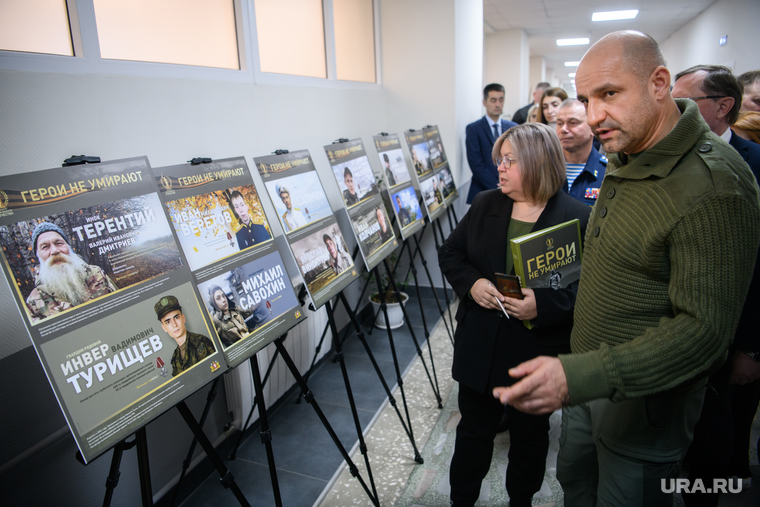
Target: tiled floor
<point x="305" y="456"/>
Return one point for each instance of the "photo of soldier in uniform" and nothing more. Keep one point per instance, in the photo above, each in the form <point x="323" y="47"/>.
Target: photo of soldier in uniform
<point x="356" y="180"/>
<point x="250" y="233"/>
<point x="394" y="167"/>
<point x="62" y="261"/>
<point x="421" y="158"/>
<point x="299" y="200"/>
<point x="446" y="183"/>
<point x="321" y="257"/>
<point x="430" y="193"/>
<point x="191" y="347"/>
<point x="243" y="300"/>
<point x="407" y="206"/>
<point x="63" y="280"/>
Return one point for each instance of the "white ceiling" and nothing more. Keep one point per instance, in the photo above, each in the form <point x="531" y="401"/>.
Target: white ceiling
<point x="545" y="21"/>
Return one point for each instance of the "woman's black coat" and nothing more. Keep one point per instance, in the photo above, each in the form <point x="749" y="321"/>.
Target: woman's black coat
<point x="487" y="344"/>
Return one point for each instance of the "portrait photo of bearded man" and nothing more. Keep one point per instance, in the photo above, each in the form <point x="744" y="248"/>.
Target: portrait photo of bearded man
<point x="63" y="280"/>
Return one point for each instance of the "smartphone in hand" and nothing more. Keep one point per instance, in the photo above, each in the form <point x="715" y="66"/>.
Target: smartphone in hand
<point x="509" y="285"/>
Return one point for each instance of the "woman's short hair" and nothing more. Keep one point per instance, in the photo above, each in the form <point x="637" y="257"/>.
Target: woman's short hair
<point x="539" y="154"/>
<point x="551" y="92"/>
<point x="749" y="122"/>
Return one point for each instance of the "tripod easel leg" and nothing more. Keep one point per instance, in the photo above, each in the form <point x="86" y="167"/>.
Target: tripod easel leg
<point x="225" y="476"/>
<point x="309" y="397"/>
<point x="233" y="455"/>
<point x="189" y="457"/>
<point x="434" y="379"/>
<point x="391" y="399"/>
<point x="143" y="467"/>
<point x="351" y="402"/>
<point x="443" y="278"/>
<point x="266" y="435"/>
<point x="418" y="249"/>
<point x="113" y="475"/>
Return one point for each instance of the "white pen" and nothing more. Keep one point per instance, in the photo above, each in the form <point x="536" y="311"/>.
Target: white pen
<point x="501" y="306"/>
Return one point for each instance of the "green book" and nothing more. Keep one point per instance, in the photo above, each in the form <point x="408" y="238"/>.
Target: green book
<point x="549" y="258"/>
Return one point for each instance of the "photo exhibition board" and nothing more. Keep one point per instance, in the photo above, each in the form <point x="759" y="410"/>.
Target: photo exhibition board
<point x="423" y="171"/>
<point x="361" y="196"/>
<point x="216" y="214"/>
<point x="311" y="229"/>
<point x="402" y="195"/>
<point x="440" y="164"/>
<point x="106" y="296"/>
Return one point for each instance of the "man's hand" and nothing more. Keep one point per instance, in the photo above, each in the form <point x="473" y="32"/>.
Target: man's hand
<point x="543" y="390"/>
<point x="744" y="369"/>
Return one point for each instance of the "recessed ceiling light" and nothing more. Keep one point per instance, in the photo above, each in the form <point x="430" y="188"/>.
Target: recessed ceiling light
<point x="613" y="15"/>
<point x="573" y="42"/>
<point x="572" y="64"/>
<point x="572" y="74"/>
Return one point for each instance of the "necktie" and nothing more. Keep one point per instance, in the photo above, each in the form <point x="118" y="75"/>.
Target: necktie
<point x="495" y="131"/>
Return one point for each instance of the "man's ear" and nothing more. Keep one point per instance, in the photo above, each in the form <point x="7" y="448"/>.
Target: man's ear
<point x="660" y="82"/>
<point x="726" y="105"/>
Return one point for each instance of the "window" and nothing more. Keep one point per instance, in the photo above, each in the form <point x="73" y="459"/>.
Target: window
<point x="291" y="37"/>
<point x="354" y="40"/>
<point x="187" y="32"/>
<point x="35" y="26"/>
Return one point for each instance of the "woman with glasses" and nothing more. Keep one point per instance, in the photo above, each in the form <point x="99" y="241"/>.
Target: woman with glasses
<point x="531" y="169"/>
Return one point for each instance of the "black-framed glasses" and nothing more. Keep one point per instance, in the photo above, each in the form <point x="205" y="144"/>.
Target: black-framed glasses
<point x="507" y="161"/>
<point x="707" y="97"/>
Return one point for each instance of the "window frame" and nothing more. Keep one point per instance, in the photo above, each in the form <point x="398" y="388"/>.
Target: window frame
<point x="87" y="59"/>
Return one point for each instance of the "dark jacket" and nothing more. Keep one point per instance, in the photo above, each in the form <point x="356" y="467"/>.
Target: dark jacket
<point x="521" y="115"/>
<point x="477" y="249"/>
<point x="747" y="337"/>
<point x="479" y="142"/>
<point x="586" y="186"/>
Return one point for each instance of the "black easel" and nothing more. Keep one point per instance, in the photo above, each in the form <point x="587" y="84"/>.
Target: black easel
<point x="146" y="490"/>
<point x="189" y="457"/>
<point x="443" y="278"/>
<point x="225" y="477"/>
<point x="253" y="359"/>
<point x="266" y="435"/>
<point x="309" y="397"/>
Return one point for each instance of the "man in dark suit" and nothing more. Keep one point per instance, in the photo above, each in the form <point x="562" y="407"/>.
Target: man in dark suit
<point x="521" y="115"/>
<point x="479" y="138"/>
<point x="730" y="407"/>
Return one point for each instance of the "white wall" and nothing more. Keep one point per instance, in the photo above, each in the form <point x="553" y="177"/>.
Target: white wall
<point x="537" y="72"/>
<point x="697" y="42"/>
<point x="507" y="63"/>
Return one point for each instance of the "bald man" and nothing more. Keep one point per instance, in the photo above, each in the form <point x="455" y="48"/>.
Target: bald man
<point x="668" y="257"/>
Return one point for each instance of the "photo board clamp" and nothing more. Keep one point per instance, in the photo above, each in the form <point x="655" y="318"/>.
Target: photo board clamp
<point x="80" y="160"/>
<point x="280" y="152"/>
<point x="341" y="140"/>
<point x="199" y="160"/>
<point x="384" y="134"/>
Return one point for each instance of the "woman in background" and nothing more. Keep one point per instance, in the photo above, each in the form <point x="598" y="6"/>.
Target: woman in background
<point x="747" y="126"/>
<point x="550" y="102"/>
<point x="531" y="169"/>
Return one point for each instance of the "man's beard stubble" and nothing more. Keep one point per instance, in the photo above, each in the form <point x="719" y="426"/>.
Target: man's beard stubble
<point x="66" y="281"/>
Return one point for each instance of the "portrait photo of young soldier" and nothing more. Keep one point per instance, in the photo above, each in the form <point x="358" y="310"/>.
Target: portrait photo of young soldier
<point x="249" y="233"/>
<point x="339" y="259"/>
<point x="386" y="231"/>
<point x="63" y="279"/>
<point x="191" y="347"/>
<point x="293" y="218"/>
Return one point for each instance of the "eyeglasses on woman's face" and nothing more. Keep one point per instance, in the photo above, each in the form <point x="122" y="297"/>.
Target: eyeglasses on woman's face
<point x="506" y="162"/>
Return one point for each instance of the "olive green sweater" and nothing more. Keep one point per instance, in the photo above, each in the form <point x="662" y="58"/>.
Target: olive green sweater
<point x="668" y="257"/>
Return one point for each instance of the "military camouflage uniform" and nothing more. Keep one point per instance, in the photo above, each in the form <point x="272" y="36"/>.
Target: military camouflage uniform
<point x="231" y="327"/>
<point x="198" y="348"/>
<point x="43" y="303"/>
